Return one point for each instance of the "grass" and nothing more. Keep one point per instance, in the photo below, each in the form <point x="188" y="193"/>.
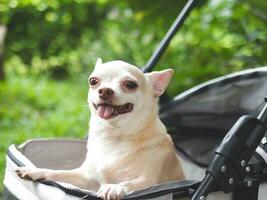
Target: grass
<point x="32" y="107"/>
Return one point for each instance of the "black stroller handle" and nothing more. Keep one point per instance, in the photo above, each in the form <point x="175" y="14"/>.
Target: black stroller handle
<point x="228" y="168"/>
<point x="169" y="35"/>
<point x="263" y="114"/>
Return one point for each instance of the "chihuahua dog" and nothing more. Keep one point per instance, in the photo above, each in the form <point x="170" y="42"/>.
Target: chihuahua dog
<point x="128" y="146"/>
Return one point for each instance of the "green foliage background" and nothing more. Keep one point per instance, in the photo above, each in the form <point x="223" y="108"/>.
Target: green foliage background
<point x="51" y="47"/>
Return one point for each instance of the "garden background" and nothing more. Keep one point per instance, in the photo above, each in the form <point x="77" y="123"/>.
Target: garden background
<point x="49" y="47"/>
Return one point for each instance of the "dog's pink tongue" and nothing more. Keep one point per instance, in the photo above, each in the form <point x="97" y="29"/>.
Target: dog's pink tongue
<point x="105" y="111"/>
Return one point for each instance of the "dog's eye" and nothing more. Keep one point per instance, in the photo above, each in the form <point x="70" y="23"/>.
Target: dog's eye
<point x="130" y="85"/>
<point x="93" y="81"/>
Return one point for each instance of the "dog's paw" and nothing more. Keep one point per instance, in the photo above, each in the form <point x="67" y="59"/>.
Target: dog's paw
<point x="31" y="174"/>
<point x="112" y="191"/>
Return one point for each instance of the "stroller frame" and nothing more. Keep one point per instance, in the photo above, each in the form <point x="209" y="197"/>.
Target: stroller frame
<point x="219" y="175"/>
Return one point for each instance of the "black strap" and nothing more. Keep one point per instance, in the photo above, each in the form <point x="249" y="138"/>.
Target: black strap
<point x="246" y="193"/>
<point x="180" y="188"/>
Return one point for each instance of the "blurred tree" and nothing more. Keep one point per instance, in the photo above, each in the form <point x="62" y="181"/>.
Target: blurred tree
<point x="258" y="7"/>
<point x="43" y="33"/>
<point x="62" y="37"/>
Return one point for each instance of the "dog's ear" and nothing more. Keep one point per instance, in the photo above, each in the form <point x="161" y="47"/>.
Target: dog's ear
<point x="98" y="62"/>
<point x="160" y="80"/>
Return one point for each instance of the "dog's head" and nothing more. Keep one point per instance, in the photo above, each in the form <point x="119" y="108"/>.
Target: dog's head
<point x="122" y="95"/>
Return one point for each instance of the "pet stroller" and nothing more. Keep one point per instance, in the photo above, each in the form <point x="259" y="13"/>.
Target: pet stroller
<point x="218" y="128"/>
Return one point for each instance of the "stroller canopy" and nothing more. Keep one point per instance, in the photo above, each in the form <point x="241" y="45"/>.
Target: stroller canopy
<point x="199" y="118"/>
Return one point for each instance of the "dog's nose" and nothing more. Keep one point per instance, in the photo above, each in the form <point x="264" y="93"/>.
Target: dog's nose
<point x="105" y="93"/>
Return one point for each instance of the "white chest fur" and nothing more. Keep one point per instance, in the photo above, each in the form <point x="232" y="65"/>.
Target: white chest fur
<point x="103" y="154"/>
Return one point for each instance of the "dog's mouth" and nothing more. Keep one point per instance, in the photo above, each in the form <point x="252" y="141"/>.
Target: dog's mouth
<point x="108" y="111"/>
